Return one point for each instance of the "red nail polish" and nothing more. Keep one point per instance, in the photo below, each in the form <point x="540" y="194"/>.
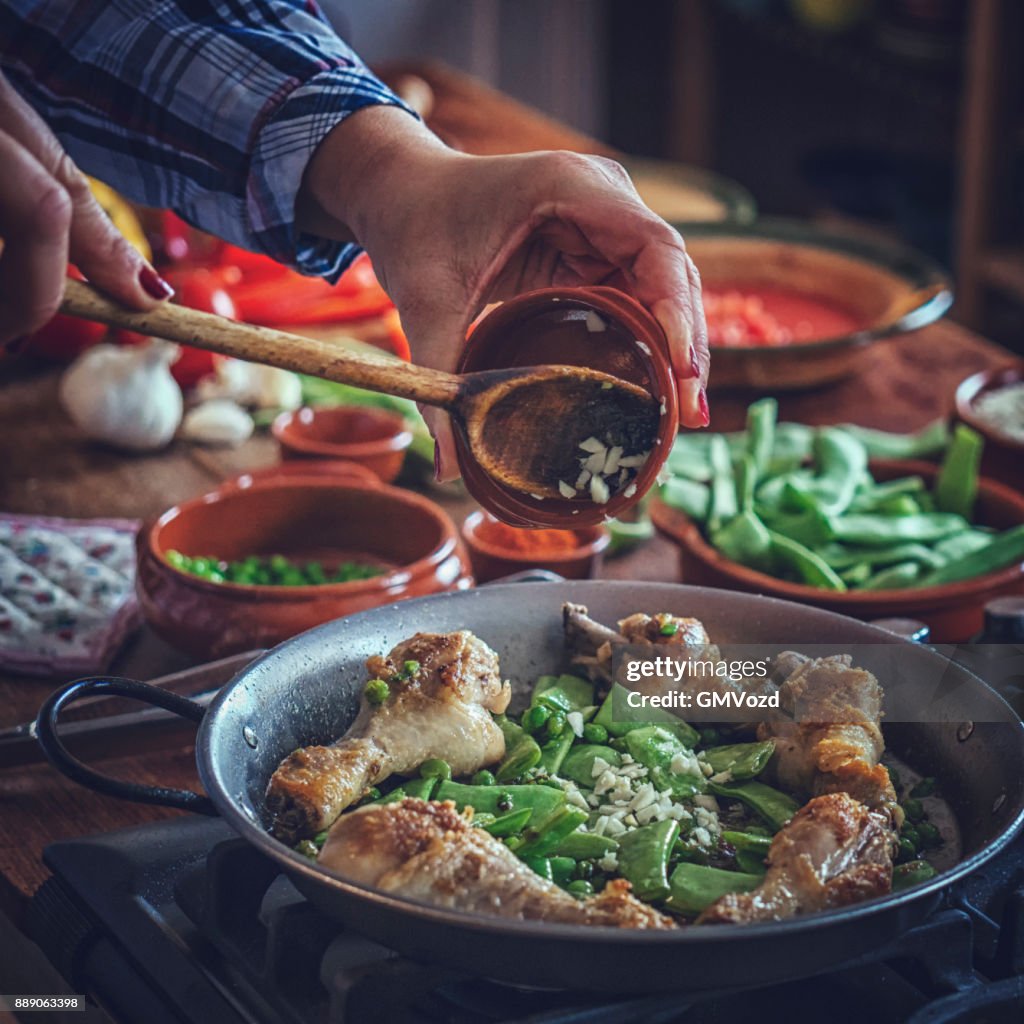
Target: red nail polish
<point x="153" y="284"/>
<point x="702" y="404"/>
<point x="694" y="364"/>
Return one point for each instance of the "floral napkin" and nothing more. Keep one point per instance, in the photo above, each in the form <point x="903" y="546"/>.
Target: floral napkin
<point x="67" y="592"/>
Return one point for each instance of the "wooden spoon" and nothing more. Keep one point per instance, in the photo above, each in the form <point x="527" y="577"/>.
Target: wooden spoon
<point x="524" y="425"/>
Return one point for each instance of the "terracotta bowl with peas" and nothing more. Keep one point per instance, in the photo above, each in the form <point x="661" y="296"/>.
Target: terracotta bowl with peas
<point x="259" y="560"/>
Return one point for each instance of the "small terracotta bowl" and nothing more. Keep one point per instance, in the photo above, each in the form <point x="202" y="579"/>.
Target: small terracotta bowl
<point x="374" y="438"/>
<point x="491" y="561"/>
<point x="953" y="611"/>
<point x="313" y="517"/>
<point x="1002" y="458"/>
<point x="551" y="326"/>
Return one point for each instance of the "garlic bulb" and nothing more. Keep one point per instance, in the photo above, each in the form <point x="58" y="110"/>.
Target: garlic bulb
<point x="263" y="387"/>
<point x="124" y="396"/>
<point x="218" y="421"/>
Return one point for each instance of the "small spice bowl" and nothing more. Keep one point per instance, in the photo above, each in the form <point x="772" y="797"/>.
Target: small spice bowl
<point x="495" y="551"/>
<point x="1002" y="457"/>
<point x="375" y="438"/>
<point x="601" y="328"/>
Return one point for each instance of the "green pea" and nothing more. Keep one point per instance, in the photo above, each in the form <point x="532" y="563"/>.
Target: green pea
<point x="924" y="788"/>
<point x="319" y="839"/>
<point x="669" y="629"/>
<point x="580" y="887"/>
<point x="435" y="768"/>
<point x="377" y="691"/>
<point x="278" y="563"/>
<point x="929" y="835"/>
<point x="910" y="833"/>
<point x="535" y="718"/>
<point x="594" y="733"/>
<point x="913" y="809"/>
<point x="178" y="560"/>
<point x="556" y="724"/>
<point x="618" y="743"/>
<point x="584" y="870"/>
<point x="373" y="793"/>
<point x="908" y="851"/>
<point x="307" y="848"/>
<point x="410" y="668"/>
<point x="483" y="778"/>
<point x="710" y="737"/>
<point x="505" y="802"/>
<point x="201" y="566"/>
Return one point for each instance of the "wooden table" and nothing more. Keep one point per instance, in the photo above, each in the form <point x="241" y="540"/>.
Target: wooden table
<point x="45" y="468"/>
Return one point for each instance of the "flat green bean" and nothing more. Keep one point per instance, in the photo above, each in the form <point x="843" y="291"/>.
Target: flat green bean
<point x="773" y="805"/>
<point x="875" y="530"/>
<point x="578" y="764"/>
<point x="930" y="440"/>
<point x="723" y="504"/>
<point x="1004" y="549"/>
<point x="809" y="567"/>
<point x="616" y="715"/>
<point x="692" y="499"/>
<point x="761" y="418"/>
<point x="957" y="486"/>
<point x="746" y="540"/>
<point x="743" y="760"/>
<point x="643" y="857"/>
<point x="694" y="887"/>
<point x="902" y="574"/>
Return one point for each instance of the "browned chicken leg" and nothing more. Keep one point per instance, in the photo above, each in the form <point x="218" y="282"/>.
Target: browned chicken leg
<point x="830" y="739"/>
<point x="431" y="852"/>
<point x="442" y="709"/>
<point x="833" y="852"/>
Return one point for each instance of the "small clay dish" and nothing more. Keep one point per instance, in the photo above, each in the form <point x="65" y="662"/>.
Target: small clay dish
<point x="953" y="611"/>
<point x="375" y="438"/>
<point x="303" y="518"/>
<point x="492" y="558"/>
<point x="598" y="327"/>
<point x="1003" y="457"/>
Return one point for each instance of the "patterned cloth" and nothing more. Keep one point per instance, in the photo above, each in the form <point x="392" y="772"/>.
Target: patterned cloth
<point x="211" y="108"/>
<point x="67" y="592"/>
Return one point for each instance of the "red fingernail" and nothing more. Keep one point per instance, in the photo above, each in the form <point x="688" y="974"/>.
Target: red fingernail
<point x="702" y="404"/>
<point x="153" y="284"/>
<point x="694" y="364"/>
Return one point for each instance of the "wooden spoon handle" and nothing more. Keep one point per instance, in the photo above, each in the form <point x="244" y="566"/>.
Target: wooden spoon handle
<point x="376" y="372"/>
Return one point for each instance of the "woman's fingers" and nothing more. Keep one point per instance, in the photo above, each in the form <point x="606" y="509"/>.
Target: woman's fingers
<point x="35" y="217"/>
<point x="94" y="245"/>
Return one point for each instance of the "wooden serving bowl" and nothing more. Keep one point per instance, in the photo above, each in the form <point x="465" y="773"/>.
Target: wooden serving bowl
<point x="953" y="611"/>
<point x="374" y="438"/>
<point x="492" y="561"/>
<point x="890" y="289"/>
<point x="322" y="517"/>
<point x="1002" y="457"/>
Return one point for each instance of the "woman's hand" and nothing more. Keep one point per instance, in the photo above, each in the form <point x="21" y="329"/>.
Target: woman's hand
<point x="48" y="218"/>
<point x="449" y="233"/>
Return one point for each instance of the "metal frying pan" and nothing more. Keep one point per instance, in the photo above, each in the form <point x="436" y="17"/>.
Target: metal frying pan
<point x="307" y="690"/>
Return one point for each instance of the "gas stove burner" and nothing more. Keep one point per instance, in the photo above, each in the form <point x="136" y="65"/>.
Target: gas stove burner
<point x="182" y="921"/>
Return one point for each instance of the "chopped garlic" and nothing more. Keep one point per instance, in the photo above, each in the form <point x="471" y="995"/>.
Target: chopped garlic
<point x="595" y="462"/>
<point x="592" y="444"/>
<point x="575" y="721"/>
<point x="643" y="347"/>
<point x="611" y="463"/>
<point x="609" y="862"/>
<point x="594" y="323"/>
<point x="599" y="490"/>
<point x="582" y="480"/>
<point x="565" y="490"/>
<point x="629" y="491"/>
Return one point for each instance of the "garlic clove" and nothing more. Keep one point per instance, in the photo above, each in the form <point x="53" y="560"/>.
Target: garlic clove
<point x="124" y="396"/>
<point x="218" y="421"/>
<point x="264" y="387"/>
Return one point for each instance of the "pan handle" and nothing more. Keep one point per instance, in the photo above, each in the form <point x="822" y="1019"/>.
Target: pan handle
<point x="67" y="764"/>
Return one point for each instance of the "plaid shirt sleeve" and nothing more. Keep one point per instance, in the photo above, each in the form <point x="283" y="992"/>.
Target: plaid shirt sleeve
<point x="211" y="108"/>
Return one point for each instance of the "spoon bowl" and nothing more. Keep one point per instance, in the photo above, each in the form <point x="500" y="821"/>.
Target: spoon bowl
<point x="526" y="427"/>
